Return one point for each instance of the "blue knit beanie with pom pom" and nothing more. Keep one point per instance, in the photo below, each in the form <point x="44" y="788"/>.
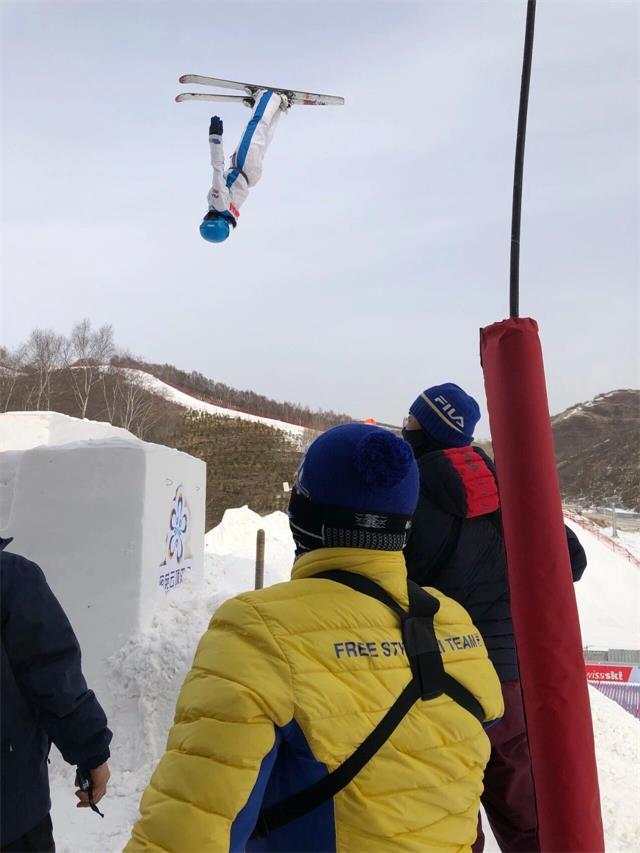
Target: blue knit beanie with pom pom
<point x="357" y="487"/>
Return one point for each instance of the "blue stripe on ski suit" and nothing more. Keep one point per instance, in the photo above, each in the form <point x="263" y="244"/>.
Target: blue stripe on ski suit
<point x="245" y="142"/>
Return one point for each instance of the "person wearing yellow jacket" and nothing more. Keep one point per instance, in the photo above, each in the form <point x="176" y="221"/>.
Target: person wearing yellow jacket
<point x="289" y="682"/>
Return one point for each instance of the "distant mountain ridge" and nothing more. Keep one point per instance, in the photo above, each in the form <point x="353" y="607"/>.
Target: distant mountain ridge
<point x="597" y="442"/>
<point x="598" y="449"/>
<point x="248" y="402"/>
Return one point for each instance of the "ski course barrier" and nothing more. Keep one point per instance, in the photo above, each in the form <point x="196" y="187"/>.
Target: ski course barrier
<point x="612" y="673"/>
<point x="606" y="540"/>
<point x="619" y="682"/>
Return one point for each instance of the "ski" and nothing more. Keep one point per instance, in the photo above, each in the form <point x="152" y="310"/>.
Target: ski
<point x="295" y="96"/>
<point x="212" y="96"/>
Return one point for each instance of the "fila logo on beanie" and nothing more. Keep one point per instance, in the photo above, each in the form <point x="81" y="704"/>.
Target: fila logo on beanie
<point x="447" y="413"/>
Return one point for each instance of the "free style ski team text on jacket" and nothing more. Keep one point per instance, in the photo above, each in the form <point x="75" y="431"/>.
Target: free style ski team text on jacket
<point x="286" y="683"/>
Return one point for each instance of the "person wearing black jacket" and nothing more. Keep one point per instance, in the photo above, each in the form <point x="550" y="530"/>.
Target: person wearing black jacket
<point x="456" y="545"/>
<point x="45" y="700"/>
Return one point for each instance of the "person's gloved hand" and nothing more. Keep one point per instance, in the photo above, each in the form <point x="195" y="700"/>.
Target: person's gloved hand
<point x="216" y="126"/>
<point x="99" y="778"/>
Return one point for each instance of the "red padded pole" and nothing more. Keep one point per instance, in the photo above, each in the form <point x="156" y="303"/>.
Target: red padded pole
<point x="543" y="604"/>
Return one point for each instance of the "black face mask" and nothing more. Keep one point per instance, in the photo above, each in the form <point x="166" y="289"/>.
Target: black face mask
<point x="421" y="442"/>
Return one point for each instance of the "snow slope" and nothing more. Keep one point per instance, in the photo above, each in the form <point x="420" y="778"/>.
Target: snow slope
<point x="148" y="671"/>
<point x="618" y="756"/>
<point x="162" y="389"/>
<point x="608" y="596"/>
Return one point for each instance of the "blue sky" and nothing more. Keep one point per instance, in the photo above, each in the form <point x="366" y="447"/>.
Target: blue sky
<point x="377" y="243"/>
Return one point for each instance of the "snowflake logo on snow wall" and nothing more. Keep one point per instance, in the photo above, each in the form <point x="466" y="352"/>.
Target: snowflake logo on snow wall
<point x="177" y="558"/>
<point x="178" y="526"/>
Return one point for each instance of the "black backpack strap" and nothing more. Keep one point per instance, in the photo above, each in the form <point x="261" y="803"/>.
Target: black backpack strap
<point x="462" y="696"/>
<point x="429" y="681"/>
<point x="425" y="657"/>
<point x="297" y="805"/>
<point x="365" y="585"/>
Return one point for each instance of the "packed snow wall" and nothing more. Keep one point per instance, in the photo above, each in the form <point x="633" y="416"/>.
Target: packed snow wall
<point x="116" y="524"/>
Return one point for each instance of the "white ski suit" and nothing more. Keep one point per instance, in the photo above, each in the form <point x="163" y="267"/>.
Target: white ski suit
<point x="231" y="186"/>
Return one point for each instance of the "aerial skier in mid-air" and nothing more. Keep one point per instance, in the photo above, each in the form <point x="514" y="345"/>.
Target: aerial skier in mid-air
<point x="231" y="185"/>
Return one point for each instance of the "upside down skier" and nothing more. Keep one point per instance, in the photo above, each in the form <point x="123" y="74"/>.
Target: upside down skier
<point x="231" y="186"/>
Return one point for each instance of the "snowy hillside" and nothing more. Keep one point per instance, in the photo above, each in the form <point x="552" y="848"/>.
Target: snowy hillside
<point x="168" y="392"/>
<point x="148" y="671"/>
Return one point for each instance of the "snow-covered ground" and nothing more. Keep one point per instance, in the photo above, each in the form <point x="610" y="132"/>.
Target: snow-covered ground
<point x="157" y="386"/>
<point x="608" y="596"/>
<point x="148" y="671"/>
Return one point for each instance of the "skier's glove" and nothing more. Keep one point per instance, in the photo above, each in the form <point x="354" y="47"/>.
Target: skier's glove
<point x="215" y="128"/>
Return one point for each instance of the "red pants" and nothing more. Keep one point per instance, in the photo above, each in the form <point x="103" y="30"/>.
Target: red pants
<point x="508" y="797"/>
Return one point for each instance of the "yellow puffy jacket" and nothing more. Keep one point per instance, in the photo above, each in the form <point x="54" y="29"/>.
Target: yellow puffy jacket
<point x="286" y="683"/>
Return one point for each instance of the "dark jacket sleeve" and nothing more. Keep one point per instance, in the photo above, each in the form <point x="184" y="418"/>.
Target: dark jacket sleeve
<point x="577" y="555"/>
<point x="45" y="659"/>
<point x="432" y="532"/>
<point x="417" y="552"/>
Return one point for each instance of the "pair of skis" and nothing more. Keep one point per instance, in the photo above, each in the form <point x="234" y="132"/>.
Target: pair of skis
<point x="249" y="89"/>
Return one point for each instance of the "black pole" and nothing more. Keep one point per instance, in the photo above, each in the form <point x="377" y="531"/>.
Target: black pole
<point x="514" y="283"/>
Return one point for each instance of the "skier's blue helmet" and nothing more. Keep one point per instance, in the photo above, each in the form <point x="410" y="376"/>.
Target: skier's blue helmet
<point x="214" y="230"/>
